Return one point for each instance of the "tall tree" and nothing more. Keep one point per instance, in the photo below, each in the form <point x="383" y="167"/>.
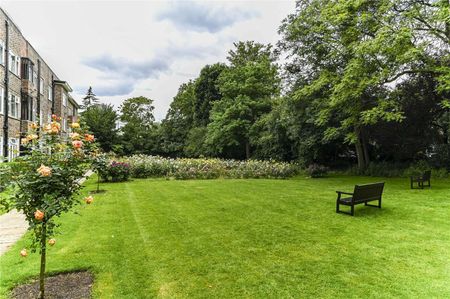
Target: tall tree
<point x="102" y="122"/>
<point x="179" y="120"/>
<point x="206" y="92"/>
<point x="137" y="116"/>
<point x="247" y="86"/>
<point x="348" y="52"/>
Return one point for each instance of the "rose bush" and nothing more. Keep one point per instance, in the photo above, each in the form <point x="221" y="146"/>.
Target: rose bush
<point x="46" y="178"/>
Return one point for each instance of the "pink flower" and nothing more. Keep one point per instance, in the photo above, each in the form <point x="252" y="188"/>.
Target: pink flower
<point x="77" y="144"/>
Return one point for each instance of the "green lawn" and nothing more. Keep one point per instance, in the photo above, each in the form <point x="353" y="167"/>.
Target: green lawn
<point x="252" y="239"/>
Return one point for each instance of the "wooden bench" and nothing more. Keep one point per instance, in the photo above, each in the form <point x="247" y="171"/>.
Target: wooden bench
<point x="361" y="194"/>
<point x="425" y="177"/>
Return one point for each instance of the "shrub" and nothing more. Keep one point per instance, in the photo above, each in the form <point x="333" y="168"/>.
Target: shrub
<point x="316" y="171"/>
<point x="152" y="166"/>
<point x="416" y="169"/>
<point x="118" y="171"/>
<point x="100" y="165"/>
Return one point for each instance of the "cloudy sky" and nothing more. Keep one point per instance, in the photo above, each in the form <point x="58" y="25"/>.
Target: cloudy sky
<point x="133" y="48"/>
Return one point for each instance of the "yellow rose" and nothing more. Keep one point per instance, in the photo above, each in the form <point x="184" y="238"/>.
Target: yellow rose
<point x="51" y="242"/>
<point x="75" y="125"/>
<point x="44" y="170"/>
<point x="74" y="136"/>
<point x="32" y="137"/>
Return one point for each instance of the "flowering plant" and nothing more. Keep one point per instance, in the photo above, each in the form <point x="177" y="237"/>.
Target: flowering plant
<point x="46" y="178"/>
<point x="207" y="168"/>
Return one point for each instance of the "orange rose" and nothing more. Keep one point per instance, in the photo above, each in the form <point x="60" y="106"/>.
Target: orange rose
<point x="89" y="199"/>
<point x="89" y="137"/>
<point x="77" y="144"/>
<point x="54" y="117"/>
<point x="39" y="215"/>
<point x="44" y="170"/>
<point x="51" y="242"/>
<point x="24" y="253"/>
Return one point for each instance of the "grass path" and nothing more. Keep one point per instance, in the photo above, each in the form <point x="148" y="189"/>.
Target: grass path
<point x="252" y="239"/>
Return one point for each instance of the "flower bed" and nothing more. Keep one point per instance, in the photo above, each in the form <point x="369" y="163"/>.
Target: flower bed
<point x="153" y="166"/>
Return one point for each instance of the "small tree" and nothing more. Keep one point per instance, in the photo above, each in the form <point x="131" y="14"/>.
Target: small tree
<point x="100" y="166"/>
<point x="47" y="178"/>
<point x="90" y="99"/>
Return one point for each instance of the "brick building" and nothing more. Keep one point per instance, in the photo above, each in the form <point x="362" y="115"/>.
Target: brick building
<point x="29" y="89"/>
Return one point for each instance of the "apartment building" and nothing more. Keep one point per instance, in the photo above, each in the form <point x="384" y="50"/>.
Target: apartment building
<point x="29" y="90"/>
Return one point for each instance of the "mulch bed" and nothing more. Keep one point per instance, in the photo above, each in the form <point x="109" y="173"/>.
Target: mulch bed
<point x="74" y="285"/>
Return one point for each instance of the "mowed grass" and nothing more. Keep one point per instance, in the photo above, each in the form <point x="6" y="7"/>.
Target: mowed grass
<point x="252" y="239"/>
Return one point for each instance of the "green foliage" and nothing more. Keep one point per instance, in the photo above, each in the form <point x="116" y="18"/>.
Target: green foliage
<point x="101" y="120"/>
<point x="247" y="87"/>
<point x="206" y="92"/>
<point x="175" y="127"/>
<point x="138" y="131"/>
<point x="100" y="165"/>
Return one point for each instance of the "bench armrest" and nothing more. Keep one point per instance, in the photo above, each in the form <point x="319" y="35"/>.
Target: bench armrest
<point x="346" y="193"/>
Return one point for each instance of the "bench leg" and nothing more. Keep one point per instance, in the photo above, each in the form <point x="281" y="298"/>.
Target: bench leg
<point x="371" y="205"/>
<point x="352" y="212"/>
<point x="337" y="206"/>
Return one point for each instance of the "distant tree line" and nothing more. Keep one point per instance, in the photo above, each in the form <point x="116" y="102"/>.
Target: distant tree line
<point x="349" y="82"/>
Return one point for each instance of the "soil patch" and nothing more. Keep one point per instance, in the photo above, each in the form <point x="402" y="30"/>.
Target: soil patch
<point x="74" y="285"/>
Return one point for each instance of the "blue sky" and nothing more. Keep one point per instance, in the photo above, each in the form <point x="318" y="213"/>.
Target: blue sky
<point x="133" y="48"/>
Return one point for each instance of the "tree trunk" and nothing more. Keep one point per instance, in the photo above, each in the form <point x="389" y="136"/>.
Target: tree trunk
<point x="98" y="182"/>
<point x="43" y="252"/>
<point x="247" y="149"/>
<point x="362" y="153"/>
<point x="365" y="149"/>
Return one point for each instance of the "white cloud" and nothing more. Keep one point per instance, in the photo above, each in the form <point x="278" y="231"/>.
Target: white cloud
<point x="123" y="49"/>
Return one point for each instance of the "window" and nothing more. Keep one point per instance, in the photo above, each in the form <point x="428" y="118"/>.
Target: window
<point x="14" y="64"/>
<point x="13" y="148"/>
<point x="64" y="99"/>
<point x="34" y="78"/>
<point x="50" y="93"/>
<point x="14" y="106"/>
<point x="2" y="52"/>
<point x="42" y="86"/>
<point x="2" y="98"/>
